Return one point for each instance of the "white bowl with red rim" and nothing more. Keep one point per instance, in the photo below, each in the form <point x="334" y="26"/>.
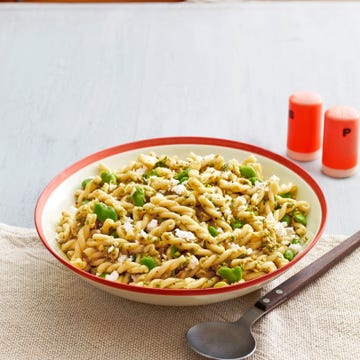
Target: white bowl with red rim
<point x="58" y="195"/>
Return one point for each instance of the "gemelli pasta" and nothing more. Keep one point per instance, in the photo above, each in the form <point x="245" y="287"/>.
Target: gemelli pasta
<point x="200" y="222"/>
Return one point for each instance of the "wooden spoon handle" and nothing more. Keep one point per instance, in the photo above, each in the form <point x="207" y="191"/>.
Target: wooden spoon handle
<point x="293" y="285"/>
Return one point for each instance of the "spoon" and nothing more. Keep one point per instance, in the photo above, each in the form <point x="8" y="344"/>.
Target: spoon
<point x="234" y="340"/>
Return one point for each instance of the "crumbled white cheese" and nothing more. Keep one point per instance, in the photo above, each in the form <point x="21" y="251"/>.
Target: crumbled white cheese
<point x="152" y="160"/>
<point x="122" y="258"/>
<point x="173" y="181"/>
<point x="72" y="210"/>
<point x="216" y="197"/>
<point x="193" y="262"/>
<point x="234" y="246"/>
<point x="187" y="235"/>
<point x="209" y="157"/>
<point x="274" y="178"/>
<point x="113" y="276"/>
<point x="152" y="225"/>
<point x="179" y="189"/>
<point x="261" y="185"/>
<point x="128" y="226"/>
<point x="296" y="248"/>
<point x="140" y="171"/>
<point x="143" y="233"/>
<point x="249" y="251"/>
<point x="110" y="249"/>
<point x="227" y="212"/>
<point x="281" y="229"/>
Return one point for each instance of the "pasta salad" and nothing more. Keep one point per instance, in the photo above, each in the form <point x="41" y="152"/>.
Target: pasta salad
<point x="198" y="222"/>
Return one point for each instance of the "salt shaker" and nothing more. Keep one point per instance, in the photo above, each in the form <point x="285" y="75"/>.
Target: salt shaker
<point x="304" y="126"/>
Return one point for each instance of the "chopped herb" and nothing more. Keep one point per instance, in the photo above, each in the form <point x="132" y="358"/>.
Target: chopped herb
<point x="114" y="234"/>
<point x="213" y="232"/>
<point x="296" y="240"/>
<point x="174" y="251"/>
<point x="153" y="172"/>
<point x="182" y="176"/>
<point x="236" y="223"/>
<point x="287" y="219"/>
<point x="161" y="163"/>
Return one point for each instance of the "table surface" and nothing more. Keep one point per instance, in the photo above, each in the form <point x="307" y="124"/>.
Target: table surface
<point x="79" y="78"/>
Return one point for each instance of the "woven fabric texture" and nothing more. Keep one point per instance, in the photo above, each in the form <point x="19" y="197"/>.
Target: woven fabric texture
<point x="47" y="312"/>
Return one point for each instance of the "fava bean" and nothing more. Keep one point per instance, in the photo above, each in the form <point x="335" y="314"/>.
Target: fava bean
<point x="138" y="197"/>
<point x="149" y="262"/>
<point x="84" y="183"/>
<point x="299" y="217"/>
<point x="289" y="254"/>
<point x="104" y="212"/>
<point x="230" y="274"/>
<point x="108" y="177"/>
<point x="247" y="172"/>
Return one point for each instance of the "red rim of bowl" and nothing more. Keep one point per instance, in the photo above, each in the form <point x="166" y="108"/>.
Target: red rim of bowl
<point x="136" y="145"/>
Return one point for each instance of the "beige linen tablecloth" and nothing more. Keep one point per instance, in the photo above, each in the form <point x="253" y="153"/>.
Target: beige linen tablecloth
<point x="48" y="313"/>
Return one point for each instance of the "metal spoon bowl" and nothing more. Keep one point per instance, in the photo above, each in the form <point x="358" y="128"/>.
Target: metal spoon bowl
<point x="222" y="340"/>
<point x="234" y="340"/>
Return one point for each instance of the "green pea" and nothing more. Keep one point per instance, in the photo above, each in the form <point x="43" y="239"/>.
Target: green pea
<point x="138" y="197"/>
<point x="149" y="262"/>
<point x="213" y="232"/>
<point x="230" y="274"/>
<point x="174" y="251"/>
<point x="286" y="218"/>
<point x="182" y="176"/>
<point x="299" y="217"/>
<point x="236" y="223"/>
<point x="104" y="212"/>
<point x="247" y="172"/>
<point x="289" y="254"/>
<point x="84" y="183"/>
<point x="108" y="177"/>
